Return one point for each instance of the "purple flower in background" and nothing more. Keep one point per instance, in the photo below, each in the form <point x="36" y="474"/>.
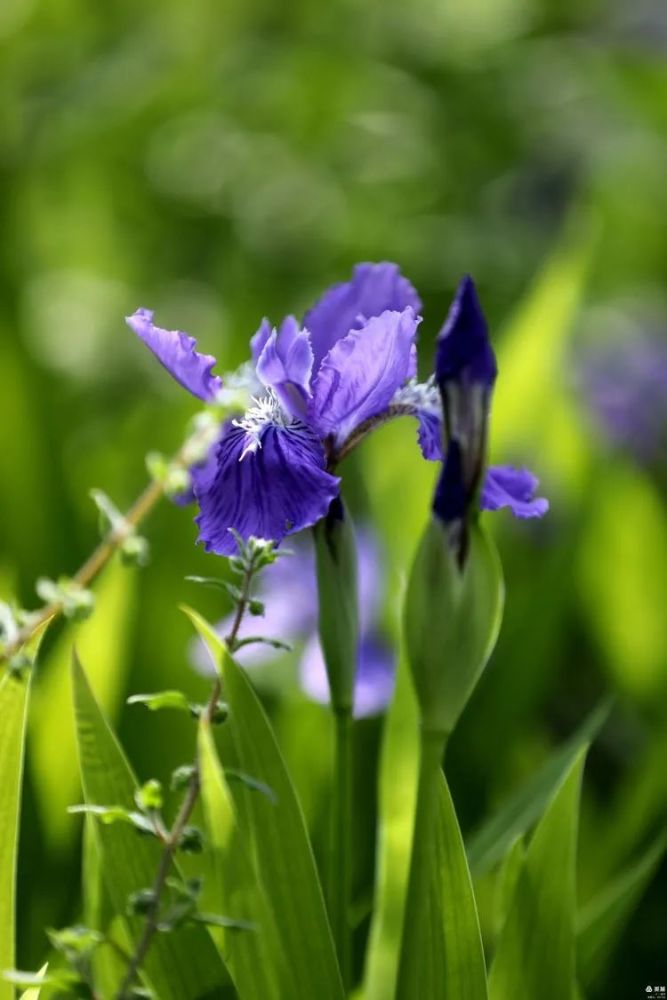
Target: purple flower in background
<point x="625" y="384"/>
<point x="270" y="474"/>
<point x="289" y="592"/>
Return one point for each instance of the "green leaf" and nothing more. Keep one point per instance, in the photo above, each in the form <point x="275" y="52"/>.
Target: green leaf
<point x="463" y="962"/>
<point x="115" y="814"/>
<point x="33" y="992"/>
<point x="255" y="961"/>
<point x="601" y="921"/>
<point x="506" y="883"/>
<point x="398" y="793"/>
<point x="102" y="642"/>
<point x="14" y="692"/>
<point x="277" y="832"/>
<point x="492" y="841"/>
<point x="107" y="965"/>
<point x="181" y="965"/>
<point x="161" y="699"/>
<point x="535" y="954"/>
<point x="13" y="707"/>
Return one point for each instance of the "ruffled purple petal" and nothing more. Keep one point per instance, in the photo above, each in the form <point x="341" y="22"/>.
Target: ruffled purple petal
<point x="374" y="289"/>
<point x="506" y="486"/>
<point x="201" y="476"/>
<point x="463" y="351"/>
<point x="279" y="487"/>
<point x="361" y="373"/>
<point x="177" y="352"/>
<point x="258" y="341"/>
<point x="374" y="681"/>
<point x="285" y="364"/>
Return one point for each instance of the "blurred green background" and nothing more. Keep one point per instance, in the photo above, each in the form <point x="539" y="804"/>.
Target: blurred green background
<point x="223" y="161"/>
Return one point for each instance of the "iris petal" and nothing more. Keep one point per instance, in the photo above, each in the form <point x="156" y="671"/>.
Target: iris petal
<point x="374" y="289"/>
<point x="278" y="488"/>
<point x="177" y="352"/>
<point x="285" y="364"/>
<point x="361" y="373"/>
<point x="374" y="681"/>
<point x="506" y="486"/>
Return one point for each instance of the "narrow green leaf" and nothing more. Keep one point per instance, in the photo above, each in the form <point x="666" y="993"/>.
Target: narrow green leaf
<point x="14" y="693"/>
<point x="181" y="965"/>
<point x="108" y="967"/>
<point x="277" y="832"/>
<point x="13" y="707"/>
<point x="463" y="966"/>
<point x="102" y="642"/>
<point x="254" y="960"/>
<point x="535" y="955"/>
<point x="601" y="922"/>
<point x="161" y="699"/>
<point x="33" y="992"/>
<point x="506" y="883"/>
<point x="521" y="811"/>
<point x="398" y="793"/>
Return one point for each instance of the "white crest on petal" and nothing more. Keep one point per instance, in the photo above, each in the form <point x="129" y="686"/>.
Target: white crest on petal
<point x="416" y="395"/>
<point x="266" y="412"/>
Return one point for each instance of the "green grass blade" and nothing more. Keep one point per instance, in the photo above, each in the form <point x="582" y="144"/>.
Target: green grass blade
<point x="254" y="959"/>
<point x="535" y="955"/>
<point x="601" y="921"/>
<point x="101" y="642"/>
<point x="277" y="834"/>
<point x="14" y="696"/>
<point x="464" y="968"/>
<point x="183" y="965"/>
<point x="398" y="794"/>
<point x="492" y="841"/>
<point x="13" y="709"/>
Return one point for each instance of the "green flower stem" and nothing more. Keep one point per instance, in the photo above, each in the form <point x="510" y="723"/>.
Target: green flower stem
<point x="432" y="748"/>
<point x="340" y="873"/>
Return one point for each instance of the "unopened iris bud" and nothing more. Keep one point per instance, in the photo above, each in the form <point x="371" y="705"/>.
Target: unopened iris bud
<point x="452" y="618"/>
<point x="336" y="557"/>
<point x="465" y="372"/>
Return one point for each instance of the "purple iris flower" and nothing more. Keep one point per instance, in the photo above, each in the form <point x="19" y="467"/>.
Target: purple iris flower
<point x="315" y="384"/>
<point x="625" y="383"/>
<point x="289" y="593"/>
<point x="453" y="411"/>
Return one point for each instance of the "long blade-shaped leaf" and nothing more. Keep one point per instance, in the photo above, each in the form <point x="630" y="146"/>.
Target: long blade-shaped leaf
<point x="464" y="968"/>
<point x="13" y="706"/>
<point x="183" y="964"/>
<point x="601" y="922"/>
<point x="101" y="642"/>
<point x="14" y="693"/>
<point x="535" y="955"/>
<point x="255" y="960"/>
<point x="398" y="794"/>
<point x="496" y="836"/>
<point x="277" y="832"/>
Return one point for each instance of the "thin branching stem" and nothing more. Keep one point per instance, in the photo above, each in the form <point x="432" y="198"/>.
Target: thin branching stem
<point x="173" y="838"/>
<point x="97" y="560"/>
